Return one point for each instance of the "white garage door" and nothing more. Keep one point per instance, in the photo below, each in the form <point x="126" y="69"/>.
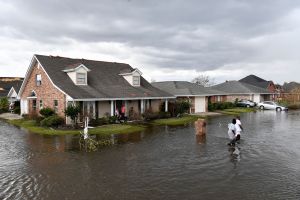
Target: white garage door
<point x="257" y="98"/>
<point x="200" y="104"/>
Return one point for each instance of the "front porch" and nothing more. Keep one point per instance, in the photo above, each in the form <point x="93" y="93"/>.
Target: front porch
<point x="132" y="109"/>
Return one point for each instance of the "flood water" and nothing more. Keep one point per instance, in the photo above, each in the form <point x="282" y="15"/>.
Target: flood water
<point x="160" y="163"/>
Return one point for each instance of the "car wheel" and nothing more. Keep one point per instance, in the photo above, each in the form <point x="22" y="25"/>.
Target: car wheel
<point x="261" y="107"/>
<point x="278" y="109"/>
<point x="248" y="106"/>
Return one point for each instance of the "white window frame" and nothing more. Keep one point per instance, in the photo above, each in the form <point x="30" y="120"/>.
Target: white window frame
<point x="38" y="79"/>
<point x="54" y="106"/>
<point x="85" y="80"/>
<point x="138" y="80"/>
<point x="41" y="104"/>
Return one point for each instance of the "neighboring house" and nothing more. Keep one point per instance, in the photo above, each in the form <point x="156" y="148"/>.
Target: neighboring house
<point x="197" y="95"/>
<point x="9" y="87"/>
<point x="289" y="87"/>
<point x="259" y="82"/>
<point x="291" y="92"/>
<point x="100" y="88"/>
<point x="239" y="90"/>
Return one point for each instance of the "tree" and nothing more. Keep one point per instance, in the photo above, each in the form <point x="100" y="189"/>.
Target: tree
<point x="72" y="111"/>
<point x="4" y="104"/>
<point x="203" y="80"/>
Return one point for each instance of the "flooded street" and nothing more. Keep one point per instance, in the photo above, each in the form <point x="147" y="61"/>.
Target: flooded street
<point x="161" y="163"/>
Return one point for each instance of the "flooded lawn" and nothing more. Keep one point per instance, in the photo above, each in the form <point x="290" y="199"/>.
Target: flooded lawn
<point x="160" y="163"/>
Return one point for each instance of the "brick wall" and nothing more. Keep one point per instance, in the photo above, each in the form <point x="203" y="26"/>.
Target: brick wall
<point x="272" y="87"/>
<point x="45" y="92"/>
<point x="232" y="98"/>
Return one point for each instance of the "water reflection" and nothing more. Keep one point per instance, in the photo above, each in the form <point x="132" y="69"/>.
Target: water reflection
<point x="160" y="163"/>
<point x="201" y="139"/>
<point x="235" y="156"/>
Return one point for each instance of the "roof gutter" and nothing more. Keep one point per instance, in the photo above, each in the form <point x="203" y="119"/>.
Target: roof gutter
<point x="125" y="98"/>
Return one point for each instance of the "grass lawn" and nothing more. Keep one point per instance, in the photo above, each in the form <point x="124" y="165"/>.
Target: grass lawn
<point x="236" y="111"/>
<point x="177" y="121"/>
<point x="31" y="126"/>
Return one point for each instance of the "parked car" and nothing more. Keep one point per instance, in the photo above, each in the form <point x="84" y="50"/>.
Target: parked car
<point x="271" y="105"/>
<point x="245" y="103"/>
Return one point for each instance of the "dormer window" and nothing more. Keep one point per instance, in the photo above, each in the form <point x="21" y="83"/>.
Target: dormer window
<point x="77" y="73"/>
<point x="81" y="78"/>
<point x="136" y="80"/>
<point x="132" y="76"/>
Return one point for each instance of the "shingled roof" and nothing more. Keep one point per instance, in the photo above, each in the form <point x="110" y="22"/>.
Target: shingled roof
<point x="256" y="81"/>
<point x="6" y="83"/>
<point x="104" y="80"/>
<point x="289" y="87"/>
<point x="184" y="88"/>
<point x="237" y="87"/>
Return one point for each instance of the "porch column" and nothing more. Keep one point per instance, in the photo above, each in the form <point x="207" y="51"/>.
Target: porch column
<point x="166" y="105"/>
<point x="190" y="104"/>
<point x="142" y="106"/>
<point x="112" y="108"/>
<point x="126" y="108"/>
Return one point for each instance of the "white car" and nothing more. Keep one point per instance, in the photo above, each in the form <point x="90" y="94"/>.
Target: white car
<point x="271" y="105"/>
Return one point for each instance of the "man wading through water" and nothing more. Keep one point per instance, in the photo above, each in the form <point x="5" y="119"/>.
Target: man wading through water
<point x="232" y="132"/>
<point x="238" y="128"/>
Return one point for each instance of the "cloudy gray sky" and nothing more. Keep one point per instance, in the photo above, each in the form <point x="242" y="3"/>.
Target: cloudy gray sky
<point x="166" y="40"/>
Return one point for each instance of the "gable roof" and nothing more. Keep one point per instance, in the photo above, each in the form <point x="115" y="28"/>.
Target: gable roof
<point x="256" y="81"/>
<point x="185" y="88"/>
<point x="6" y="83"/>
<point x="237" y="87"/>
<point x="288" y="87"/>
<point x="104" y="81"/>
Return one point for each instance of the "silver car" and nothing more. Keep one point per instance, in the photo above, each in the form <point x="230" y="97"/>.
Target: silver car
<point x="271" y="105"/>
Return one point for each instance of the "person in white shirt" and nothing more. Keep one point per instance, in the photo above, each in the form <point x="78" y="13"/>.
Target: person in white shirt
<point x="239" y="128"/>
<point x="232" y="132"/>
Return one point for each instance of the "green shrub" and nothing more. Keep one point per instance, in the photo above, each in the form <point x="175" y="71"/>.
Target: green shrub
<point x="176" y="108"/>
<point x="112" y="119"/>
<point x="47" y="112"/>
<point x="99" y="121"/>
<point x="72" y="112"/>
<point x="17" y="110"/>
<point x="150" y="115"/>
<point x="163" y="115"/>
<point x="52" y="121"/>
<point x="4" y="104"/>
<point x="182" y="107"/>
<point x="220" y="106"/>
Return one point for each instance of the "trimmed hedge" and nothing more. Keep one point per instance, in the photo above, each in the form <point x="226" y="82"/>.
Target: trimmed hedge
<point x="220" y="106"/>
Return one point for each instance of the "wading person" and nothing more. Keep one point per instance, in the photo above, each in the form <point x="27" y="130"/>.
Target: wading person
<point x="232" y="132"/>
<point x="239" y="128"/>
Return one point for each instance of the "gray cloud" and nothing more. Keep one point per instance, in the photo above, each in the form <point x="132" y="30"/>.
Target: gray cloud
<point x="200" y="35"/>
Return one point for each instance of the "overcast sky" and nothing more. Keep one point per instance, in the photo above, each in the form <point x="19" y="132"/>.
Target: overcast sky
<point x="166" y="40"/>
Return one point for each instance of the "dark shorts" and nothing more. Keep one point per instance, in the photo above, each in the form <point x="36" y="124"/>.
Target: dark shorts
<point x="238" y="137"/>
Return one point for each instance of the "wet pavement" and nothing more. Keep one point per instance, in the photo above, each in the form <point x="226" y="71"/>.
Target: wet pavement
<point x="160" y="163"/>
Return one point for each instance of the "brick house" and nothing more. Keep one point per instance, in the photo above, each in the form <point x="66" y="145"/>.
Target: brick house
<point x="9" y="87"/>
<point x="100" y="88"/>
<point x="197" y="95"/>
<point x="239" y="90"/>
<point x="262" y="83"/>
